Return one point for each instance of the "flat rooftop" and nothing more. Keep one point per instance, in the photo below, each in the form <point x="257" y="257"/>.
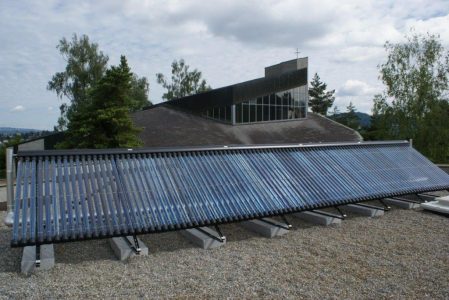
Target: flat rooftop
<point x="403" y="254"/>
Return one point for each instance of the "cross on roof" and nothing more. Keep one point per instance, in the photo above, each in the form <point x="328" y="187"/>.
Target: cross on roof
<point x="297" y="53"/>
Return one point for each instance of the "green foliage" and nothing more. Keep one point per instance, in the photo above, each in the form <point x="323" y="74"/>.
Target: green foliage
<point x="183" y="82"/>
<point x="11" y="142"/>
<point x="139" y="93"/>
<point x="85" y="67"/>
<point x="104" y="120"/>
<point x="416" y="79"/>
<point x="320" y="100"/>
<point x="348" y="118"/>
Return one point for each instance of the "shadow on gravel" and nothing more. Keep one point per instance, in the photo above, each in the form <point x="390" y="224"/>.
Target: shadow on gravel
<point x="9" y="257"/>
<point x="100" y="250"/>
<point x="427" y="212"/>
<point x="79" y="252"/>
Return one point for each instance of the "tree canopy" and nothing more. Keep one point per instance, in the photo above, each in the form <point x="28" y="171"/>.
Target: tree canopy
<point x="183" y="82"/>
<point x="320" y="100"/>
<point x="86" y="68"/>
<point x="86" y="65"/>
<point x="140" y="89"/>
<point x="348" y="118"/>
<point x="415" y="103"/>
<point x="104" y="120"/>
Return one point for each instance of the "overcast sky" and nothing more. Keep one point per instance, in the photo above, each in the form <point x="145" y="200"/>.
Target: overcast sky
<point x="229" y="41"/>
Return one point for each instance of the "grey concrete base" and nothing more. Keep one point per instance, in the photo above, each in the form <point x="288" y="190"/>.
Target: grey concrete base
<point x="401" y="204"/>
<point x="201" y="239"/>
<point x="9" y="219"/>
<point x="318" y="219"/>
<point x="47" y="257"/>
<point x="123" y="251"/>
<point x="265" y="229"/>
<point x="364" y="211"/>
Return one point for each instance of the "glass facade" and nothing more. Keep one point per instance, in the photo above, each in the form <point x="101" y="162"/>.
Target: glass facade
<point x="285" y="105"/>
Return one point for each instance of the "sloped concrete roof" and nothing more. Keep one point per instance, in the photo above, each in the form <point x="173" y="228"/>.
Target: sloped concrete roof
<point x="164" y="126"/>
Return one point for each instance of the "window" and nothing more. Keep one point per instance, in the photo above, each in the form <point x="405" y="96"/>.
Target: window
<point x="245" y="112"/>
<point x="287" y="105"/>
<point x="252" y="113"/>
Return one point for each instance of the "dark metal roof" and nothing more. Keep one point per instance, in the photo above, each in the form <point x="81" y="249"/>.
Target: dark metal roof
<point x="67" y="196"/>
<point x="236" y="93"/>
<point x="164" y="126"/>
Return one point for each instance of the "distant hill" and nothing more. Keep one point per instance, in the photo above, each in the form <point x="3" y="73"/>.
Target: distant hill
<point x="364" y="118"/>
<point x="12" y="131"/>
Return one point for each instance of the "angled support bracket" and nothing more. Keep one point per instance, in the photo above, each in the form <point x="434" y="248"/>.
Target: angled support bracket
<point x="369" y="206"/>
<point x="135" y="245"/>
<point x="38" y="256"/>
<point x="387" y="207"/>
<point x="220" y="238"/>
<point x="406" y="200"/>
<point x="426" y="197"/>
<point x="287" y="225"/>
<point x="342" y="216"/>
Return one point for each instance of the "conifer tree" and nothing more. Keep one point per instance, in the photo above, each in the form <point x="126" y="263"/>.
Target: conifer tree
<point x="320" y="100"/>
<point x="105" y="121"/>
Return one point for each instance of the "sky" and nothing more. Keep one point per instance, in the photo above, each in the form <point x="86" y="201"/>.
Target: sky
<point x="228" y="41"/>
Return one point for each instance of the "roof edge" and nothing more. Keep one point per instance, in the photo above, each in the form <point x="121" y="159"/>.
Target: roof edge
<point x="194" y="149"/>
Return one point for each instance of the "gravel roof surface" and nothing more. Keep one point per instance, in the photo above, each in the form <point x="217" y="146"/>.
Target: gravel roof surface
<point x="404" y="254"/>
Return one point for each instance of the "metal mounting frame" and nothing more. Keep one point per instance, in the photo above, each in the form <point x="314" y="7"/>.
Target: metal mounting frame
<point x="406" y="200"/>
<point x="135" y="245"/>
<point x="221" y="238"/>
<point x="342" y="215"/>
<point x="288" y="227"/>
<point x="38" y="256"/>
<point x="387" y="207"/>
<point x="370" y="206"/>
<point x="200" y="148"/>
<point x="421" y="198"/>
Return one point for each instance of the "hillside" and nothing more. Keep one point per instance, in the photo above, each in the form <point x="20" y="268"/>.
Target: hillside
<point x="12" y="131"/>
<point x="364" y="118"/>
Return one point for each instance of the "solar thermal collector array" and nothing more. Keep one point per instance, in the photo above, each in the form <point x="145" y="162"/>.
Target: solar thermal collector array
<point x="84" y="194"/>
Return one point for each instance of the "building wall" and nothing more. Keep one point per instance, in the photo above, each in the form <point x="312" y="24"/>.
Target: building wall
<point x="286" y="67"/>
<point x="33" y="145"/>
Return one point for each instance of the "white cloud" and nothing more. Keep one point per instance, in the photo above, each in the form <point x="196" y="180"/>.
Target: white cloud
<point x="358" y="92"/>
<point x="50" y="108"/>
<point x="354" y="87"/>
<point x="229" y="41"/>
<point x="18" y="108"/>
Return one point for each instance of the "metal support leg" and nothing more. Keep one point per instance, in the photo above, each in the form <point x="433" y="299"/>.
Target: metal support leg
<point x="369" y="206"/>
<point x="286" y="221"/>
<point x="406" y="200"/>
<point x="324" y="213"/>
<point x="421" y="198"/>
<point x="134" y="246"/>
<point x="342" y="214"/>
<point x="288" y="227"/>
<point x="387" y="207"/>
<point x="221" y="238"/>
<point x="38" y="256"/>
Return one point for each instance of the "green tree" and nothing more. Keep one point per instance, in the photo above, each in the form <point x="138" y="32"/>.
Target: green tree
<point x="140" y="89"/>
<point x="104" y="122"/>
<point x="335" y="112"/>
<point x="14" y="140"/>
<point x="352" y="120"/>
<point x="348" y="118"/>
<point x="86" y="65"/>
<point x="183" y="82"/>
<point x="320" y="100"/>
<point x="416" y="83"/>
